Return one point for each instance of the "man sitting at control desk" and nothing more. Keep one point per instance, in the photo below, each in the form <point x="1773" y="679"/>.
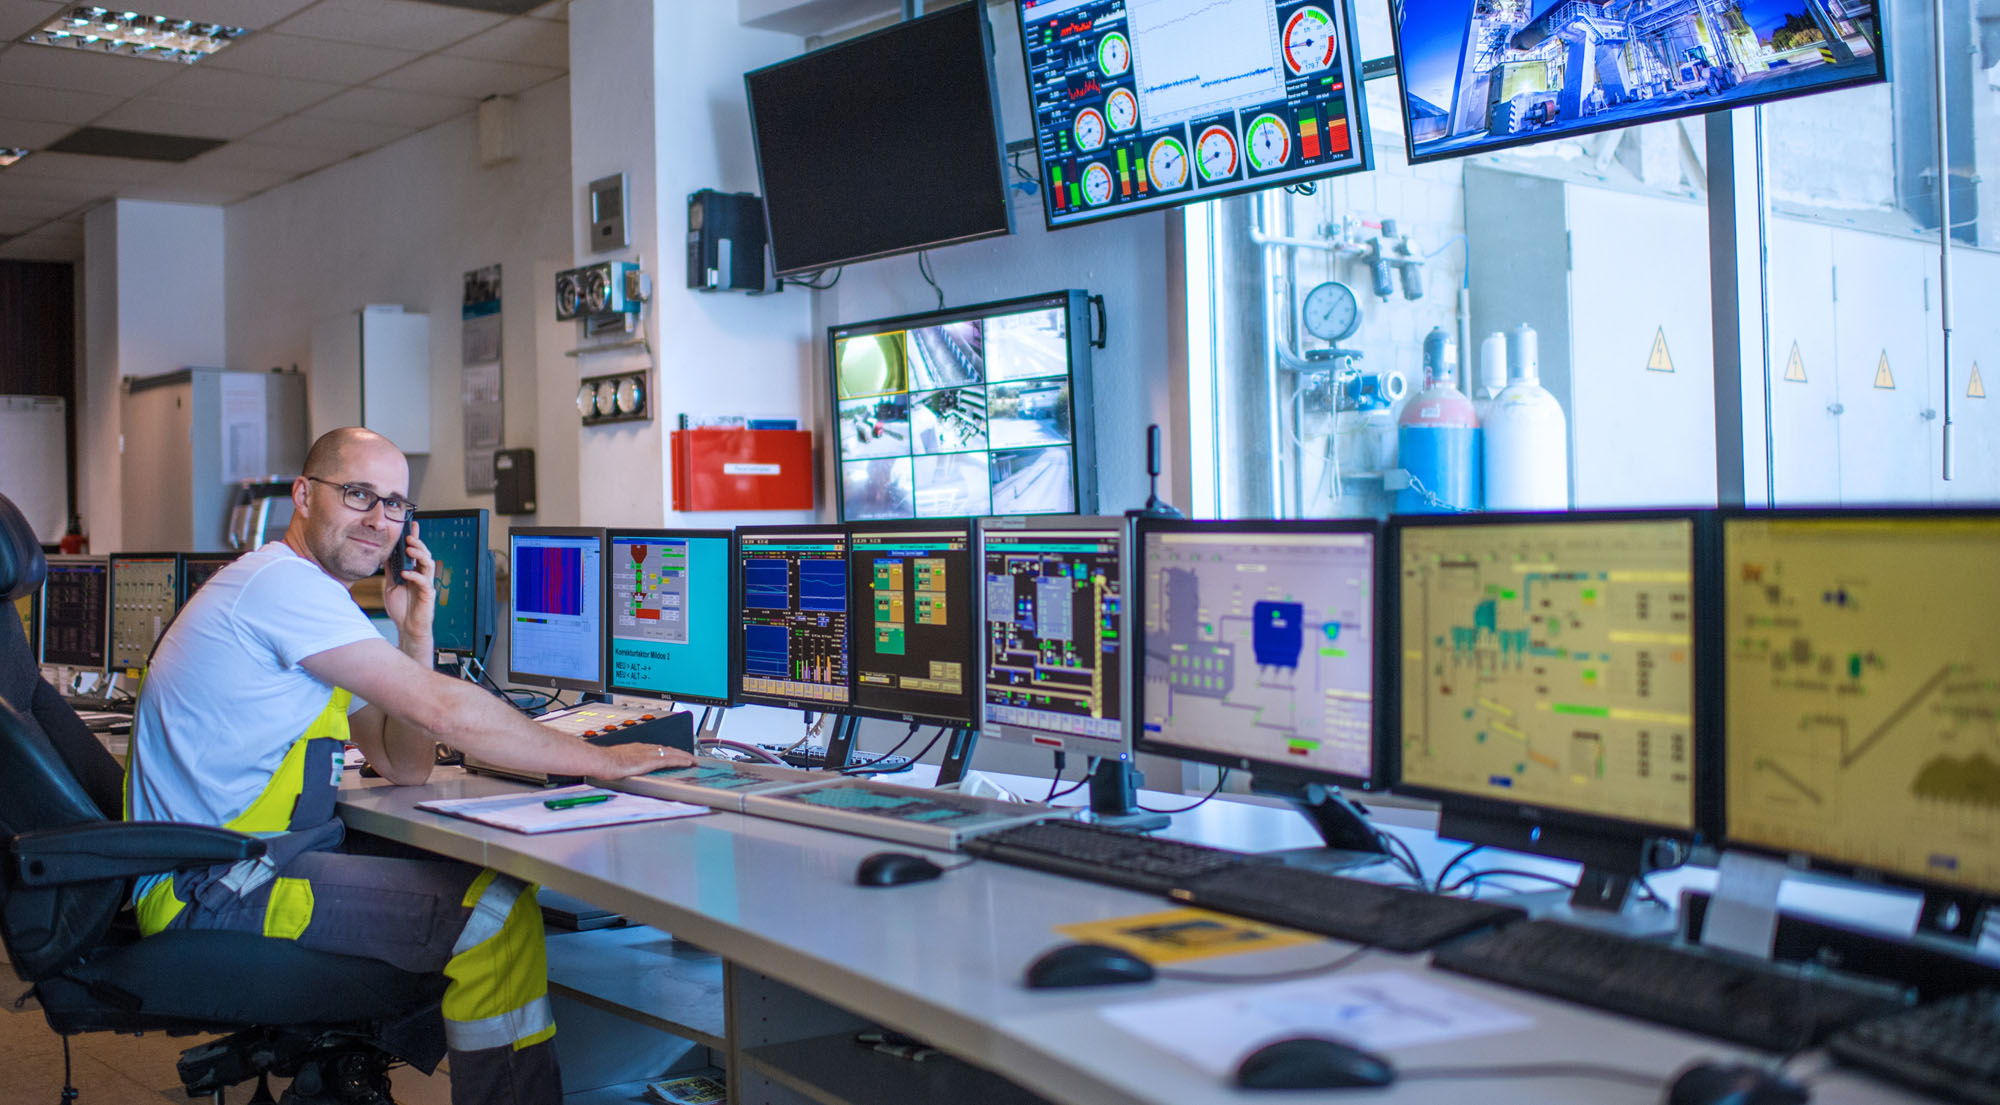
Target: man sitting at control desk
<point x="247" y="703"/>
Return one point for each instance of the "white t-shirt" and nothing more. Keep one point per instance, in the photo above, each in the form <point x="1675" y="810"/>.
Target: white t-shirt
<point x="225" y="697"/>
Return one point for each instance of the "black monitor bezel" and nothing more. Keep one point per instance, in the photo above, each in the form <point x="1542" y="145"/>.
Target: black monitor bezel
<point x="1364" y="144"/>
<point x="1028" y="735"/>
<point x="1810" y="860"/>
<point x="220" y="559"/>
<point x="731" y="600"/>
<point x="1269" y="775"/>
<point x="1083" y="401"/>
<point x="1602" y="838"/>
<point x="104" y="632"/>
<point x="736" y="674"/>
<point x="534" y="679"/>
<point x="969" y="718"/>
<point x="1880" y="75"/>
<point x="111" y="600"/>
<point x="482" y="627"/>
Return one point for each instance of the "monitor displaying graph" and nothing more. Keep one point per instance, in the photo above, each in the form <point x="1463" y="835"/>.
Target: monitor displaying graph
<point x="670" y="619"/>
<point x="1863" y="684"/>
<point x="556" y="632"/>
<point x="1551" y="664"/>
<point x="794" y="616"/>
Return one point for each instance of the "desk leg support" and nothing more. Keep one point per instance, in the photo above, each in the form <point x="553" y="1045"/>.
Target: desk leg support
<point x="763" y="1011"/>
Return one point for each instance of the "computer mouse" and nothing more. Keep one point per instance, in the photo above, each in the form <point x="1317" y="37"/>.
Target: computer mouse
<point x="1087" y="965"/>
<point x="1312" y="1063"/>
<point x="1717" y="1084"/>
<point x="895" y="869"/>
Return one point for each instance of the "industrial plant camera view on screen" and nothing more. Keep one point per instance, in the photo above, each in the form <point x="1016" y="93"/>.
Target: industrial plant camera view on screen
<point x="1481" y="73"/>
<point x="1146" y="103"/>
<point x="1052" y="638"/>
<point x="1863" y="687"/>
<point x="1260" y="645"/>
<point x="1552" y="665"/>
<point x="961" y="419"/>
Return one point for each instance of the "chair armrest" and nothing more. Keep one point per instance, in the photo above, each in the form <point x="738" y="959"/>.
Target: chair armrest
<point x="103" y="850"/>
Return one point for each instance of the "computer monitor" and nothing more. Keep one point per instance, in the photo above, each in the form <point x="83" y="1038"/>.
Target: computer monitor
<point x="914" y="621"/>
<point x="145" y="592"/>
<point x="556" y="635"/>
<point x="670" y="633"/>
<point x="76" y="612"/>
<point x="457" y="540"/>
<point x="199" y="568"/>
<point x="1859" y="694"/>
<point x="1550" y="689"/>
<point x="792" y="606"/>
<point x="1055" y="670"/>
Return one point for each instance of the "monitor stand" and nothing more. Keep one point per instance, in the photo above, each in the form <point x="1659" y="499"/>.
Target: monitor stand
<point x="958" y="747"/>
<point x="1603" y="900"/>
<point x="1342" y="823"/>
<point x="840" y="742"/>
<point x="708" y="726"/>
<point x="1957" y="918"/>
<point x="1114" y="798"/>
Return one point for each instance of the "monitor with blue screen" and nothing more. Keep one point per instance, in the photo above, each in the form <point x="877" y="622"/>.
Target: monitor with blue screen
<point x="457" y="541"/>
<point x="76" y="612"/>
<point x="669" y="632"/>
<point x="556" y="631"/>
<point x="793" y="608"/>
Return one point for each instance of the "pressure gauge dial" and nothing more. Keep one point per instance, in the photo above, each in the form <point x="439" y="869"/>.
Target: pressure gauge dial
<point x="1270" y="142"/>
<point x="1122" y="109"/>
<point x="1096" y="183"/>
<point x="1114" y="54"/>
<point x="1331" y="312"/>
<point x="1309" y="41"/>
<point x="1215" y="151"/>
<point x="586" y="400"/>
<point x="631" y="394"/>
<point x="607" y="399"/>
<point x="1167" y="164"/>
<point x="1089" y="129"/>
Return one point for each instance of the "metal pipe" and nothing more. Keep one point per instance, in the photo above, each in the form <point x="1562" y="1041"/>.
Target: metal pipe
<point x="1943" y="180"/>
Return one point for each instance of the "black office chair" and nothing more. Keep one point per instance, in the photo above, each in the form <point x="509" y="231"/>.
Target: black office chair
<point x="331" y="1023"/>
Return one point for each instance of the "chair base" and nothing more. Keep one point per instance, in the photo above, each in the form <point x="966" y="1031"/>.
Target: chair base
<point x="327" y="1067"/>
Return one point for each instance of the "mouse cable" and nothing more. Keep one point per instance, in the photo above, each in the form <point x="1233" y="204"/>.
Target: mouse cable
<point x="1220" y="779"/>
<point x="869" y="765"/>
<point x="1055" y="780"/>
<point x="942" y="730"/>
<point x="1403" y="857"/>
<point x="1089" y="772"/>
<point x="1226" y="978"/>
<point x="1539" y="1070"/>
<point x="1437" y="884"/>
<point x="1495" y="872"/>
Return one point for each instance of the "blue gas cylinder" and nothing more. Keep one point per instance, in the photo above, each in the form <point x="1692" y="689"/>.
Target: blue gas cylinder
<point x="1437" y="438"/>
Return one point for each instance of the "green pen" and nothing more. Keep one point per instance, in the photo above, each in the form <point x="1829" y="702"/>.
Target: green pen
<point x="579" y="800"/>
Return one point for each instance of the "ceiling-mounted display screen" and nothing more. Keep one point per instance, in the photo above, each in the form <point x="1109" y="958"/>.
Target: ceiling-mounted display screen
<point x="1481" y="74"/>
<point x="1141" y="104"/>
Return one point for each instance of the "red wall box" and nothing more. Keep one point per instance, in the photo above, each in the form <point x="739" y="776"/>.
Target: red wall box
<point x="718" y="468"/>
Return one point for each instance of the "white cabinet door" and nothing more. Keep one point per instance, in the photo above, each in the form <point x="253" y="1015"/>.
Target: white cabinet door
<point x="1805" y="392"/>
<point x="1881" y="330"/>
<point x="1975" y="416"/>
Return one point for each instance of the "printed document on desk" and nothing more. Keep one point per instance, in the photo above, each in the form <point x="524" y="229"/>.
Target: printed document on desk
<point x="1380" y="1011"/>
<point x="529" y="812"/>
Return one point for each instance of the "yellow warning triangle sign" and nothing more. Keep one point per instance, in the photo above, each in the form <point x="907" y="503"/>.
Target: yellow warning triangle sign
<point x="1976" y="388"/>
<point x="1661" y="360"/>
<point x="1795" y="366"/>
<point x="1883" y="377"/>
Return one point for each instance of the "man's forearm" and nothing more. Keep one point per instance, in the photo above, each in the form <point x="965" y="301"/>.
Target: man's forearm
<point x="479" y="723"/>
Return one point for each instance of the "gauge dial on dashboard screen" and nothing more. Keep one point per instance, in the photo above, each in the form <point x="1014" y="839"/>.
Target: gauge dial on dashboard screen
<point x="1114" y="54"/>
<point x="1096" y="183"/>
<point x="1215" y="152"/>
<point x="1167" y="164"/>
<point x="1122" y="109"/>
<point x="1089" y="129"/>
<point x="1309" y="41"/>
<point x="1270" y="143"/>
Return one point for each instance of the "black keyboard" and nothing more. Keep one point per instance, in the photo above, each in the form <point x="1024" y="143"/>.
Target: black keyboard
<point x="1949" y="1049"/>
<point x="1097" y="854"/>
<point x="100" y="705"/>
<point x="1392" y="917"/>
<point x="813" y="757"/>
<point x="1740" y="1000"/>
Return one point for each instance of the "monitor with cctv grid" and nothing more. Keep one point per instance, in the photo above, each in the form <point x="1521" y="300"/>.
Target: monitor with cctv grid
<point x="556" y="620"/>
<point x="145" y="593"/>
<point x="76" y="612"/>
<point x="913" y="620"/>
<point x="670" y="631"/>
<point x="793" y="607"/>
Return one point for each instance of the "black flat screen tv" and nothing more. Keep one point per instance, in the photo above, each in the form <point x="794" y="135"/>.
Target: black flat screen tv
<point x="882" y="144"/>
<point x="1479" y="75"/>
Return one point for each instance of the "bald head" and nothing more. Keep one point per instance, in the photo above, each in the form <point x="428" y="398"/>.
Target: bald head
<point x="335" y="449"/>
<point x="348" y="542"/>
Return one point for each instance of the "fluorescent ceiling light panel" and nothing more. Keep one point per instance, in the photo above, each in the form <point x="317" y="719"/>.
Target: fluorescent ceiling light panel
<point x="108" y="31"/>
<point x="10" y="154"/>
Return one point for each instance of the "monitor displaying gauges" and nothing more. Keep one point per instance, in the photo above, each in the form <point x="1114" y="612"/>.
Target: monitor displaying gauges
<point x="1143" y="104"/>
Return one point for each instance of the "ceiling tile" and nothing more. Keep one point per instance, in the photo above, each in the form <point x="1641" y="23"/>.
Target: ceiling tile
<point x="41" y="193"/>
<point x="61" y="67"/>
<point x="531" y="41"/>
<point x="53" y="105"/>
<point x="190" y="119"/>
<point x="554" y="9"/>
<point x="15" y="221"/>
<point x="29" y="205"/>
<point x="28" y="134"/>
<point x="254" y="14"/>
<point x="86" y="170"/>
<point x="313" y="59"/>
<point x="467" y="77"/>
<point x="37" y="246"/>
<point x="380" y="105"/>
<point x="330" y="135"/>
<point x="397" y="24"/>
<point x="252" y="91"/>
<point x="258" y="157"/>
<point x="18" y="17"/>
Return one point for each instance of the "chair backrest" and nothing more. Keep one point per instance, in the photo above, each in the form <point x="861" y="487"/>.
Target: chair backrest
<point x="46" y="929"/>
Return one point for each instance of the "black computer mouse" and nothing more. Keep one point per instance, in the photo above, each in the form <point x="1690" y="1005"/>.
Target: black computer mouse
<point x="1717" y="1084"/>
<point x="1087" y="965"/>
<point x="895" y="869"/>
<point x="1312" y="1063"/>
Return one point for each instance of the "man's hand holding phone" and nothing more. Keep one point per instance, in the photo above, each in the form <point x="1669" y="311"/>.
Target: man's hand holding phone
<point x="409" y="592"/>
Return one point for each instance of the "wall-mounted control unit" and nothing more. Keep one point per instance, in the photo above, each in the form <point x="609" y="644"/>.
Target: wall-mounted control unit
<point x="514" y="481"/>
<point x="607" y="214"/>
<point x="725" y="241"/>
<point x="606" y="288"/>
<point x="619" y="397"/>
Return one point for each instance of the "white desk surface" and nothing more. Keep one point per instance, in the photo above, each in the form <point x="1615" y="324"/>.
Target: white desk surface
<point x="942" y="960"/>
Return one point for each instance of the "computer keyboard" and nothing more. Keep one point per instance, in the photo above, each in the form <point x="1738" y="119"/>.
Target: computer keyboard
<point x="120" y="705"/>
<point x="1950" y="1048"/>
<point x="1746" y="1002"/>
<point x="813" y="758"/>
<point x="1097" y="854"/>
<point x="1392" y="917"/>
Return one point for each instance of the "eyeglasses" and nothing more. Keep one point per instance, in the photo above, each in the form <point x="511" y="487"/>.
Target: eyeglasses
<point x="362" y="500"/>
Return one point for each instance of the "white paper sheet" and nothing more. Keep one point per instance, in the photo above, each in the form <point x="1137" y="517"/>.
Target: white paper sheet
<point x="245" y="446"/>
<point x="529" y="812"/>
<point x="1743" y="914"/>
<point x="1378" y="1011"/>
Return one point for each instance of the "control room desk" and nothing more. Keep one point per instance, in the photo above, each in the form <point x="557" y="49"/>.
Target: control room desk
<point x="809" y="954"/>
